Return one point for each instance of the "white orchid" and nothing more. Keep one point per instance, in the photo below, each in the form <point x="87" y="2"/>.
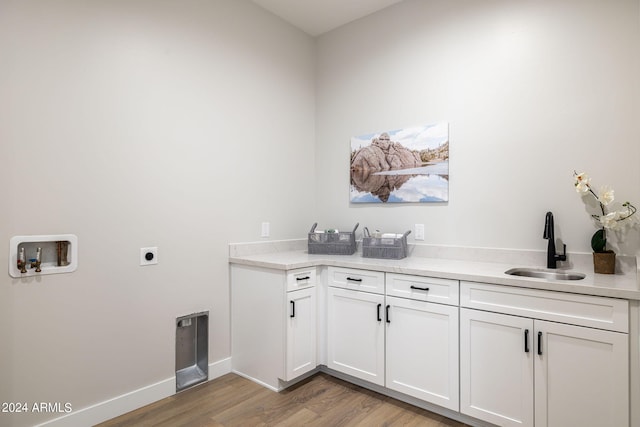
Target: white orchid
<point x="610" y="220"/>
<point x="582" y="182"/>
<point x="606" y="195"/>
<point x="616" y="220"/>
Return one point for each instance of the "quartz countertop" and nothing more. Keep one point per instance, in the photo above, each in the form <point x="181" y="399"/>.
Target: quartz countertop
<point x="467" y="264"/>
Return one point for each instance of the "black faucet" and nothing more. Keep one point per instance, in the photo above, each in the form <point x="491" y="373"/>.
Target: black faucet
<point x="549" y="234"/>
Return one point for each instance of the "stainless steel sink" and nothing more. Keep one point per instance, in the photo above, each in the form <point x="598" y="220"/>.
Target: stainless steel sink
<point x="545" y="274"/>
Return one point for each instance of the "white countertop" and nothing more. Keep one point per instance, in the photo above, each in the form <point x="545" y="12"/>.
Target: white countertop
<point x="288" y="255"/>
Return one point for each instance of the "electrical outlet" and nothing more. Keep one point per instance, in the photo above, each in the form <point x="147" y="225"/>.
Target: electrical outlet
<point x="265" y="229"/>
<point x="148" y="256"/>
<point x="419" y="232"/>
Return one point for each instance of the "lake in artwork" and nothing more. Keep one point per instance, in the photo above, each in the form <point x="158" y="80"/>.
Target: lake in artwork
<point x="408" y="165"/>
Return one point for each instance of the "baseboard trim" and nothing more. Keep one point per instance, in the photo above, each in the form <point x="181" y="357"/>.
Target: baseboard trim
<point x="255" y="380"/>
<point x="127" y="402"/>
<point x="219" y="368"/>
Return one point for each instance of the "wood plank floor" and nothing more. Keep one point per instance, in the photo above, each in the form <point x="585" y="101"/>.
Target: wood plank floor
<point x="320" y="401"/>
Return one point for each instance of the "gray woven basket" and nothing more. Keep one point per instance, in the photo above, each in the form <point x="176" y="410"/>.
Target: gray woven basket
<point x="332" y="243"/>
<point x="384" y="247"/>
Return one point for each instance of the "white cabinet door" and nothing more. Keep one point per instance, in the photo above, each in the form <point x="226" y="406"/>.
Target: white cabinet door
<point x="496" y="368"/>
<point x="301" y="333"/>
<point x="355" y="334"/>
<point x="581" y="376"/>
<point x="422" y="350"/>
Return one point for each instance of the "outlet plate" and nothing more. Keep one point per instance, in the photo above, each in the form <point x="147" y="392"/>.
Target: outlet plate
<point x="419" y="235"/>
<point x="265" y="229"/>
<point x="148" y="256"/>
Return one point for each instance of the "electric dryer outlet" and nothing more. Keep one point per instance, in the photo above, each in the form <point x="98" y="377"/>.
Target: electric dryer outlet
<point x="148" y="256"/>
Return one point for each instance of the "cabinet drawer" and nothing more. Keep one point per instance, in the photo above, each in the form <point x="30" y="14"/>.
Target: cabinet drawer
<point x="444" y="291"/>
<point x="361" y="280"/>
<point x="583" y="310"/>
<point x="301" y="278"/>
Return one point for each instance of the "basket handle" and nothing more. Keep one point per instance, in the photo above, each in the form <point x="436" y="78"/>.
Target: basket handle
<point x="313" y="227"/>
<point x="354" y="228"/>
<point x="365" y="232"/>
<point x="406" y="233"/>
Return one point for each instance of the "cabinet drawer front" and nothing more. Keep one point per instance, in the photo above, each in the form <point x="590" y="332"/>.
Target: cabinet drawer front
<point x="301" y="278"/>
<point x="583" y="310"/>
<point x="444" y="291"/>
<point x="362" y="280"/>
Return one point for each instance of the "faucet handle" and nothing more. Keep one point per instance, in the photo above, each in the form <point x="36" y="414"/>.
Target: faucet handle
<point x="563" y="256"/>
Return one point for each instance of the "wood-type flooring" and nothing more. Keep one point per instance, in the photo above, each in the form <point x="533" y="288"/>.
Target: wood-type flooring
<point x="318" y="401"/>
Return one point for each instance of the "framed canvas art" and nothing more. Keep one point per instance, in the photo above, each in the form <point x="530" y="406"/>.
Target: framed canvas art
<point x="408" y="165"/>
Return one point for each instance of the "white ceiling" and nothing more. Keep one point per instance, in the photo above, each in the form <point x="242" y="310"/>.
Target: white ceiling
<point x="316" y="17"/>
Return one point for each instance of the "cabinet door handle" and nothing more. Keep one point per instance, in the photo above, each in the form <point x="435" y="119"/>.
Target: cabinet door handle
<point x="387" y="313"/>
<point x="293" y="309"/>
<point x="303" y="278"/>
<point x="540" y="343"/>
<point x="526" y="341"/>
<point x="419" y="289"/>
<point x="351" y="279"/>
<point x="379" y="318"/>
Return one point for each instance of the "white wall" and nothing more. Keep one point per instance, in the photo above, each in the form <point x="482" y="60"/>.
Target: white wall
<point x="177" y="124"/>
<point x="186" y="124"/>
<point x="532" y="90"/>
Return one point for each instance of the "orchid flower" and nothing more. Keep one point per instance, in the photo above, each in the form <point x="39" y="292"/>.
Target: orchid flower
<point x="614" y="220"/>
<point x="606" y="195"/>
<point x="582" y="182"/>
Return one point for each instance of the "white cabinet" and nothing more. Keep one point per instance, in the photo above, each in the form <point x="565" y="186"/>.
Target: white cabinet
<point x="405" y="343"/>
<point x="496" y="367"/>
<point x="422" y="350"/>
<point x="355" y="332"/>
<point x="355" y="323"/>
<point x="358" y="280"/>
<point x="301" y="333"/>
<point x="519" y="370"/>
<point x="581" y="377"/>
<point x="430" y="289"/>
<point x="499" y="354"/>
<point x="273" y="323"/>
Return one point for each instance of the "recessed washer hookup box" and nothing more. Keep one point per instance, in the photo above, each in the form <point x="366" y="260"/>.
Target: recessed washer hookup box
<point x="192" y="350"/>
